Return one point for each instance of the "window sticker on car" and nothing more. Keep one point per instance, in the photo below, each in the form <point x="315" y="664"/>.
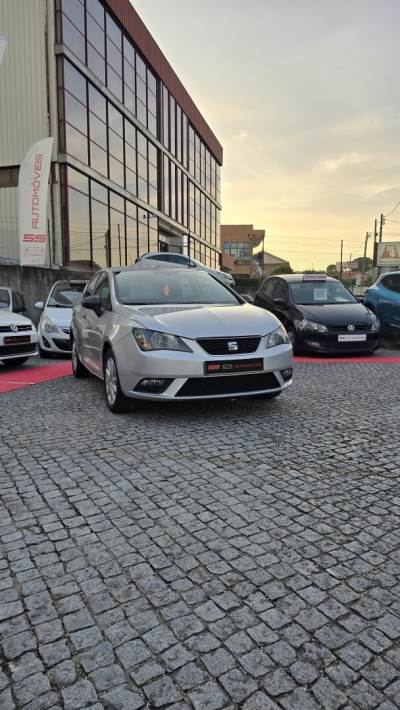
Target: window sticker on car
<point x="320" y="294"/>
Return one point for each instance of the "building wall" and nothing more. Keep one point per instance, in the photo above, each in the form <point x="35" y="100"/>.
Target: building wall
<point x="28" y="113"/>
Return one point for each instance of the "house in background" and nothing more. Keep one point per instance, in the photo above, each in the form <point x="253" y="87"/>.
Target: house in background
<point x="243" y="252"/>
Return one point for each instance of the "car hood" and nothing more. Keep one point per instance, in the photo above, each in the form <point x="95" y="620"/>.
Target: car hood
<point x="334" y="314"/>
<point x="193" y="321"/>
<point x="59" y="316"/>
<point x="8" y="317"/>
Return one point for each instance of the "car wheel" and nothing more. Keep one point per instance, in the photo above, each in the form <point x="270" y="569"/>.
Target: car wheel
<point x="78" y="368"/>
<point x="267" y="395"/>
<point x="117" y="402"/>
<point x="293" y="339"/>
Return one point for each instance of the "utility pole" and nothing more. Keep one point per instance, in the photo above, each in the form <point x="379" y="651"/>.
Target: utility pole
<point x="374" y="254"/>
<point x="367" y="236"/>
<point x="341" y="259"/>
<point x="382" y="222"/>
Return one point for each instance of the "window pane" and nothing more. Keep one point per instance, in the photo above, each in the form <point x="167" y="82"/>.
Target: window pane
<point x="142" y="166"/>
<point x="140" y="67"/>
<point x="97" y="103"/>
<point x="115" y="119"/>
<point x="143" y="233"/>
<point x="130" y="157"/>
<point x="96" y="63"/>
<point x="78" y="180"/>
<point x="165" y="118"/>
<point x="98" y="130"/>
<point x="142" y="144"/>
<point x="79" y="227"/>
<point x="117" y="202"/>
<point x="95" y="35"/>
<point x="116" y="146"/>
<point x="129" y="100"/>
<point x="173" y="191"/>
<point x="99" y="192"/>
<point x="96" y="9"/>
<point x="152" y="124"/>
<point x="116" y="171"/>
<point x="172" y="123"/>
<point x="75" y="11"/>
<point x="99" y="233"/>
<point x="117" y="226"/>
<point x="74" y="82"/>
<point x="130" y="133"/>
<point x="75" y="112"/>
<point x="76" y="143"/>
<point x="114" y="57"/>
<point x="113" y="31"/>
<point x="166" y="185"/>
<point x="179" y="133"/>
<point x="73" y="39"/>
<point x="129" y="52"/>
<point x="141" y="112"/>
<point x="130" y="181"/>
<point x="131" y="239"/>
<point x="114" y="83"/>
<point x="98" y="159"/>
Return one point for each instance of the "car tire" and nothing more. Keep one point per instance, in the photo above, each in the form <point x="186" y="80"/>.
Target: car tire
<point x="78" y="368"/>
<point x="117" y="402"/>
<point x="267" y="395"/>
<point x="293" y="339"/>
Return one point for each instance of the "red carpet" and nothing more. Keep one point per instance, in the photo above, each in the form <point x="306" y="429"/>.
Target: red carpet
<point x="16" y="378"/>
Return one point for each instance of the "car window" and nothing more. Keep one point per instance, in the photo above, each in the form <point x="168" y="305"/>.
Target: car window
<point x="392" y="282"/>
<point x="162" y="286"/>
<point x="66" y="294"/>
<point x="267" y="288"/>
<point x="102" y="289"/>
<point x="177" y="259"/>
<point x="280" y="290"/>
<point x="17" y="301"/>
<point x="4" y="298"/>
<point x="90" y="287"/>
<point x="160" y="257"/>
<point x="320" y="293"/>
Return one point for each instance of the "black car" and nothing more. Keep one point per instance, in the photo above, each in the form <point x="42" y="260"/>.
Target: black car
<point x="319" y="314"/>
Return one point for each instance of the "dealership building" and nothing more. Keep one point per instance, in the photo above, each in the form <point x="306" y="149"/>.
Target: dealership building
<point x="135" y="166"/>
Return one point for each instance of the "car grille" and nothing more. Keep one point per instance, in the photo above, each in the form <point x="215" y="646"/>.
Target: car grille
<point x="227" y="384"/>
<point x="7" y="328"/>
<point x="358" y="328"/>
<point x="16" y="349"/>
<point x="219" y="346"/>
<point x="62" y="344"/>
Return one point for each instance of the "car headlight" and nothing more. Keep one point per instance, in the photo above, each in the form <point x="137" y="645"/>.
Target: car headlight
<point x="375" y="324"/>
<point x="49" y="327"/>
<point x="154" y="340"/>
<point x="311" y="327"/>
<point x="277" y="337"/>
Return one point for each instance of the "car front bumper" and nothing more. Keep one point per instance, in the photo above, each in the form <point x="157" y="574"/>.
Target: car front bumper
<point x="329" y="344"/>
<point x="11" y="351"/>
<point x="185" y="376"/>
<point x="59" y="343"/>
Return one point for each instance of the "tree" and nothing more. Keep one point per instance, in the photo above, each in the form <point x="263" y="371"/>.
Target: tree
<point x="331" y="270"/>
<point x="284" y="269"/>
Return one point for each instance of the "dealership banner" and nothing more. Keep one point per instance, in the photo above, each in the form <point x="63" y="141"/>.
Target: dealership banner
<point x="32" y="203"/>
<point x="388" y="253"/>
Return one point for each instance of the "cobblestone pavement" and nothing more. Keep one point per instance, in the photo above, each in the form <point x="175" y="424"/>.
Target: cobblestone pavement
<point x="229" y="555"/>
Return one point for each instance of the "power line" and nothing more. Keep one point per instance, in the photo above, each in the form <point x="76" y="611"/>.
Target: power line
<point x="393" y="210"/>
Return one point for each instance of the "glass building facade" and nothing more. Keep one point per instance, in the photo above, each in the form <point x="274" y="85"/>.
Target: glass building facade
<point x="136" y="175"/>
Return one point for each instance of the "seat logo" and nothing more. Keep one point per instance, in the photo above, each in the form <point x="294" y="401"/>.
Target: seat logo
<point x="13" y="328"/>
<point x="233" y="346"/>
<point x="351" y="328"/>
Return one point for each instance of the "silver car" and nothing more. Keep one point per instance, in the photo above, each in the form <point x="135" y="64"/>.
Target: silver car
<point x="171" y="260"/>
<point x="55" y="321"/>
<point x="176" y="335"/>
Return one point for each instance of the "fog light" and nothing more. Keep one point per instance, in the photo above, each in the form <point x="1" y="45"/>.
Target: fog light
<point x="153" y="384"/>
<point x="287" y="374"/>
<point x="46" y="342"/>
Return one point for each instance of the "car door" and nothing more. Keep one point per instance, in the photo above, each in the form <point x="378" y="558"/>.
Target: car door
<point x="280" y="300"/>
<point x="96" y="325"/>
<point x="388" y="303"/>
<point x="81" y="322"/>
<point x="264" y="294"/>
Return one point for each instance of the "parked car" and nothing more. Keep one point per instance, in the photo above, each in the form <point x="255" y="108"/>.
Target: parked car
<point x="383" y="298"/>
<point x="55" y="321"/>
<point x="18" y="338"/>
<point x="173" y="335"/>
<point x="320" y="314"/>
<point x="11" y="300"/>
<point x="172" y="260"/>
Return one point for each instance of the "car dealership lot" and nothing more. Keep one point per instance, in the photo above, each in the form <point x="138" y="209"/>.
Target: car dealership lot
<point x="233" y="554"/>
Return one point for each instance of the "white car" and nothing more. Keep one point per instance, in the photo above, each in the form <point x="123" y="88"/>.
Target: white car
<point x="18" y="338"/>
<point x="55" y="321"/>
<point x="172" y="260"/>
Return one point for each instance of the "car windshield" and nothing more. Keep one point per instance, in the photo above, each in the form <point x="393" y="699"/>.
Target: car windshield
<point x="171" y="287"/>
<point x="320" y="293"/>
<point x="66" y="295"/>
<point x="4" y="298"/>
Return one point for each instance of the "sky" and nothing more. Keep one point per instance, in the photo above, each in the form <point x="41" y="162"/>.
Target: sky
<point x="304" y="96"/>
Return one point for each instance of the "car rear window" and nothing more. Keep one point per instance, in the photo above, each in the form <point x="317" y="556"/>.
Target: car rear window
<point x="4" y="298"/>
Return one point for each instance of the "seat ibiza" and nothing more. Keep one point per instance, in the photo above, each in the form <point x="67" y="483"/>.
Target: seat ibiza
<point x="176" y="335"/>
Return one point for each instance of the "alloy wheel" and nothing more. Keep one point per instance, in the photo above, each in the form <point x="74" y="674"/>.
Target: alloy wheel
<point x="111" y="381"/>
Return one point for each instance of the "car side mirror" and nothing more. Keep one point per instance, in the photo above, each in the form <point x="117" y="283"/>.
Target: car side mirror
<point x="93" y="303"/>
<point x="279" y="302"/>
<point x="246" y="297"/>
<point x="39" y="305"/>
<point x="360" y="299"/>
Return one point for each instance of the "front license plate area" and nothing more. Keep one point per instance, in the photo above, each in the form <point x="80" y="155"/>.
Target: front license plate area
<point x="356" y="338"/>
<point x="229" y="367"/>
<point x="16" y="339"/>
